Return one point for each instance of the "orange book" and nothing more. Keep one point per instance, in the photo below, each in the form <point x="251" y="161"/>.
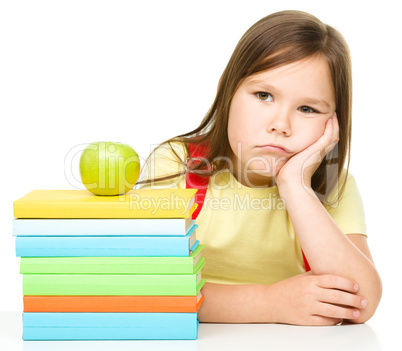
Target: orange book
<point x="189" y="304"/>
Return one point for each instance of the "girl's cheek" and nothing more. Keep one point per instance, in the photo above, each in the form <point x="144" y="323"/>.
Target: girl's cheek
<point x="311" y="135"/>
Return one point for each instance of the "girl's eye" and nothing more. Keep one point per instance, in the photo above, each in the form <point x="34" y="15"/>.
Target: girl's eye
<point x="264" y="96"/>
<point x="306" y="109"/>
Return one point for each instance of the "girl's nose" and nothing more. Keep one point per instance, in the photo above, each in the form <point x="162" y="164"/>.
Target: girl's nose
<point x="279" y="123"/>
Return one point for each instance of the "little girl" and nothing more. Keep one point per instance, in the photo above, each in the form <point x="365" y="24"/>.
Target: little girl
<point x="273" y="148"/>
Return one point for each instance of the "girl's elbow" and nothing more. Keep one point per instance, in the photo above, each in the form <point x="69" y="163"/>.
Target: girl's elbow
<point x="364" y="316"/>
<point x="373" y="300"/>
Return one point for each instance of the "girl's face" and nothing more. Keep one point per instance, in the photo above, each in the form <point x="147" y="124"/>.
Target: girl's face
<point x="286" y="107"/>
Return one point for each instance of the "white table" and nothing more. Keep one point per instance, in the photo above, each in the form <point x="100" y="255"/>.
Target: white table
<point x="373" y="335"/>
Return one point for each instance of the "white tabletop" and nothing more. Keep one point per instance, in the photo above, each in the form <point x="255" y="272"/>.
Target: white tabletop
<point x="374" y="335"/>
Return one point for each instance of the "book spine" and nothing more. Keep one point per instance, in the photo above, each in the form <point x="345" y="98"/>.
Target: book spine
<point x="104" y="246"/>
<point x="109" y="326"/>
<point x="106" y="265"/>
<point x="100" y="227"/>
<point x="116" y="285"/>
<point x="96" y="210"/>
<point x="139" y="304"/>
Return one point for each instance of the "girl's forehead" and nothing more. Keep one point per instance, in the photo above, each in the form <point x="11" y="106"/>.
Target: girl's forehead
<point x="305" y="78"/>
<point x="309" y="66"/>
<point x="313" y="73"/>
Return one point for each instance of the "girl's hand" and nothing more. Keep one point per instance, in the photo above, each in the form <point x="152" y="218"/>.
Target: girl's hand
<point x="301" y="167"/>
<point x="308" y="299"/>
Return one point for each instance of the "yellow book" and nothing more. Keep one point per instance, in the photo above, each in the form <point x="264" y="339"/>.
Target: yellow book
<point x="141" y="203"/>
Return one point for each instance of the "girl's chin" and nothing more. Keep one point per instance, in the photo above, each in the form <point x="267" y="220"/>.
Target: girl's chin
<point x="263" y="174"/>
<point x="255" y="179"/>
<point x="260" y="172"/>
<point x="270" y="169"/>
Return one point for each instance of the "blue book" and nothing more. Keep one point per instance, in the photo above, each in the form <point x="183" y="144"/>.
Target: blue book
<point x="98" y="246"/>
<point x="100" y="227"/>
<point x="109" y="326"/>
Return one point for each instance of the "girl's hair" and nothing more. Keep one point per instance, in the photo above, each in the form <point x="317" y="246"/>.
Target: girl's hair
<point x="275" y="40"/>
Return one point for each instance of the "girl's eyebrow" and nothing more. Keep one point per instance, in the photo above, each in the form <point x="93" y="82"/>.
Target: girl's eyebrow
<point x="317" y="102"/>
<point x="269" y="88"/>
<point x="261" y="84"/>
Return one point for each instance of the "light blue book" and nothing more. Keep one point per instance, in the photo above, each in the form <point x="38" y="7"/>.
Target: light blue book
<point x="109" y="326"/>
<point x="98" y="246"/>
<point x="100" y="227"/>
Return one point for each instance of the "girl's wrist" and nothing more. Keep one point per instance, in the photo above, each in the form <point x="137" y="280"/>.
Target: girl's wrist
<point x="302" y="180"/>
<point x="294" y="190"/>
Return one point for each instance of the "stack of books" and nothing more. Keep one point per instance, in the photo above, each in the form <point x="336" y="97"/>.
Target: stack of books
<point x="109" y="267"/>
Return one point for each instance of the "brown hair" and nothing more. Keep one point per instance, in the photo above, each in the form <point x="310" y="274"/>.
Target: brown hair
<point x="275" y="40"/>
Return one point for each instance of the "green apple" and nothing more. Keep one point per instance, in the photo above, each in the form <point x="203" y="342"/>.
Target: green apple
<point x="109" y="168"/>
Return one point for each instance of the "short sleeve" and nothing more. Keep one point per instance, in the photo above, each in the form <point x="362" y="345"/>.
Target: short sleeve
<point x="348" y="211"/>
<point x="163" y="162"/>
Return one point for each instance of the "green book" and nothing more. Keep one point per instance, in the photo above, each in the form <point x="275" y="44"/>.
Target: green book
<point x="113" y="265"/>
<point x="105" y="284"/>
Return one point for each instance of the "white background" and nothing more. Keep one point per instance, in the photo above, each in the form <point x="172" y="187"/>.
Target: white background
<point x="74" y="72"/>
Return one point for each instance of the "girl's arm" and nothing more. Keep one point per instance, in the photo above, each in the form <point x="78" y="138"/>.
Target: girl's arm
<point x="235" y="304"/>
<point x="304" y="299"/>
<point x="327" y="249"/>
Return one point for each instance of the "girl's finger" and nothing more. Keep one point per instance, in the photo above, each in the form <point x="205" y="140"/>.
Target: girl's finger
<point x="328" y="136"/>
<point x="335" y="124"/>
<point x="338" y="297"/>
<point x="330" y="281"/>
<point x="320" y="320"/>
<point x="339" y="312"/>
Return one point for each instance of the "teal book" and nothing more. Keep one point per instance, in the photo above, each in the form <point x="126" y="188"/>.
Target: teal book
<point x="94" y="246"/>
<point x="109" y="326"/>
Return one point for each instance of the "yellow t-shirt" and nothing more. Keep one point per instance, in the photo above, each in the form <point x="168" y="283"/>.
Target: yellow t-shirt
<point x="248" y="235"/>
